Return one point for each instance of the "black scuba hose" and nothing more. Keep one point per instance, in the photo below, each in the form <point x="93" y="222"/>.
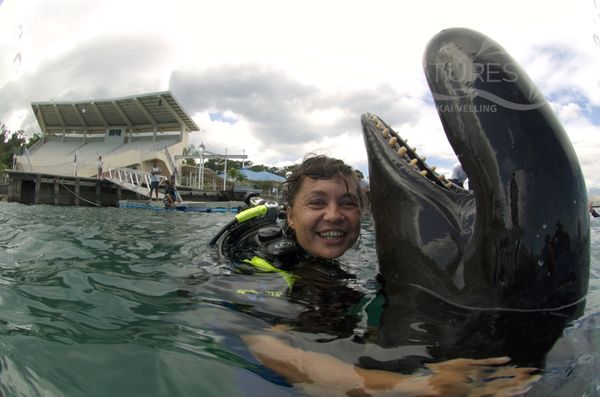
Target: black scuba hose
<point x="223" y="230"/>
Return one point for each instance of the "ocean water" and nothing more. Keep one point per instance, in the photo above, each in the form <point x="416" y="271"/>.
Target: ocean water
<point x="124" y="302"/>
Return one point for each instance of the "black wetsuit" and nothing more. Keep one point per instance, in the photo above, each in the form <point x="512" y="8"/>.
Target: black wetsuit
<point x="319" y="291"/>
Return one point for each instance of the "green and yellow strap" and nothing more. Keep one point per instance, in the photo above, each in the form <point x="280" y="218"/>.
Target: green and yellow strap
<point x="264" y="266"/>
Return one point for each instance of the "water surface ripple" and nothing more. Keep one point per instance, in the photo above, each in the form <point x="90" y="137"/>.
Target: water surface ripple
<point x="91" y="304"/>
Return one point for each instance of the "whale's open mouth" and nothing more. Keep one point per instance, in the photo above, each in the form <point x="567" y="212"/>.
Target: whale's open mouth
<point x="404" y="152"/>
<point x="518" y="239"/>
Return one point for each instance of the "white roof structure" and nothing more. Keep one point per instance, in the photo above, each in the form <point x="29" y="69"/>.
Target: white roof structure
<point x="128" y="132"/>
<point x="152" y="112"/>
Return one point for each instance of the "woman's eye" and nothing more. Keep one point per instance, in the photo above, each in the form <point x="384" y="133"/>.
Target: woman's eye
<point x="349" y="203"/>
<point x="316" y="203"/>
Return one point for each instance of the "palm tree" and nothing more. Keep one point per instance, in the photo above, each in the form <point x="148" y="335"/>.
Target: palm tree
<point x="235" y="176"/>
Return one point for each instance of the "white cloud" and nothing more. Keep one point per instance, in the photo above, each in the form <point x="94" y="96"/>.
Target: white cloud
<point x="296" y="76"/>
<point x="567" y="112"/>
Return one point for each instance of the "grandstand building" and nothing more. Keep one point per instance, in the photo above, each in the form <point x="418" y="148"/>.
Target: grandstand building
<point x="128" y="132"/>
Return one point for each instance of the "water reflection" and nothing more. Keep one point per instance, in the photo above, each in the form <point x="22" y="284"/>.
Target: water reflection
<point x="87" y="289"/>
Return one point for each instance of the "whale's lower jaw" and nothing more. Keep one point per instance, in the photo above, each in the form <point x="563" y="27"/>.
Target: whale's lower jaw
<point x="520" y="239"/>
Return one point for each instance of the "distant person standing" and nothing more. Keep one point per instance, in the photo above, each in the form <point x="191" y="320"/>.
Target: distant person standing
<point x="100" y="166"/>
<point x="154" y="179"/>
<point x="458" y="176"/>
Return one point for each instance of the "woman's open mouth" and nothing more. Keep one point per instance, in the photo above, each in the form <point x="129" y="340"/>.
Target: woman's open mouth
<point x="331" y="234"/>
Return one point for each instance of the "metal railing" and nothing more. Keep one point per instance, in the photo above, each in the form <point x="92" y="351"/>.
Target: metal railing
<point x="28" y="157"/>
<point x="192" y="181"/>
<point x="172" y="164"/>
<point x="129" y="176"/>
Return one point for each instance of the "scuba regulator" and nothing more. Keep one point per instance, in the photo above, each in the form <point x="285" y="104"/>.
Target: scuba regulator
<point x="260" y="213"/>
<point x="255" y="237"/>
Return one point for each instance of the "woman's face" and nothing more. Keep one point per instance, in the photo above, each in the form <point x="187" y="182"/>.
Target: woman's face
<point x="326" y="216"/>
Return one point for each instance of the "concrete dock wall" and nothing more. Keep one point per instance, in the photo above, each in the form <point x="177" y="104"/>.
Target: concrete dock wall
<point x="37" y="188"/>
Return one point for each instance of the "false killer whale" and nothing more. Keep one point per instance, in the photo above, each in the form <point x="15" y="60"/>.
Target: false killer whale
<point x="485" y="269"/>
<point x="520" y="239"/>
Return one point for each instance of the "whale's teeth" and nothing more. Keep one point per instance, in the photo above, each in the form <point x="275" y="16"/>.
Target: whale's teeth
<point x="402" y="151"/>
<point x="393" y="141"/>
<point x="423" y="158"/>
<point x="424" y="172"/>
<point x="442" y="177"/>
<point x="449" y="185"/>
<point x="378" y="124"/>
<point x="413" y="162"/>
<point x="385" y="132"/>
<point x="433" y="168"/>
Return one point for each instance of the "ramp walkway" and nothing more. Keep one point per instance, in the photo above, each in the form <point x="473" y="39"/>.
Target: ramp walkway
<point x="134" y="180"/>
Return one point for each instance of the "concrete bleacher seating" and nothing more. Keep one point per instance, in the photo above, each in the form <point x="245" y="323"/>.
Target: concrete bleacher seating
<point x="56" y="147"/>
<point x="56" y="155"/>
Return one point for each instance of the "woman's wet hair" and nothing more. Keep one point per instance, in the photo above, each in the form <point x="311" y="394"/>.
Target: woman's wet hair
<point x="320" y="167"/>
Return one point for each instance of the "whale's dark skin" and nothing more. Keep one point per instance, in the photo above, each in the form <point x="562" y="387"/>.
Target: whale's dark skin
<point x="520" y="239"/>
<point x="500" y="269"/>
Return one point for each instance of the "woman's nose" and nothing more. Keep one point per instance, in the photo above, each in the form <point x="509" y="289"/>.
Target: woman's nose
<point x="333" y="213"/>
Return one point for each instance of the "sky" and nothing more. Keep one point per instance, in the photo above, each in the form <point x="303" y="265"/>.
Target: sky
<point x="279" y="79"/>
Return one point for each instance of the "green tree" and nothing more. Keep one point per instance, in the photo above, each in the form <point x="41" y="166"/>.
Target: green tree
<point x="190" y="150"/>
<point x="10" y="143"/>
<point x="273" y="170"/>
<point x="283" y="170"/>
<point x="234" y="176"/>
<point x="33" y="140"/>
<point x="217" y="164"/>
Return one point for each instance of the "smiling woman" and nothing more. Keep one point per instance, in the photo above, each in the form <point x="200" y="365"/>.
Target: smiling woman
<point x="325" y="203"/>
<point x="324" y="206"/>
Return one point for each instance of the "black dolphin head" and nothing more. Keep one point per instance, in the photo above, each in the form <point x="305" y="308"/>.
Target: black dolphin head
<point x="520" y="238"/>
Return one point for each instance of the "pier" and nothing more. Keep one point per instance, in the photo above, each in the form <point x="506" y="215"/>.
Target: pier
<point x="39" y="188"/>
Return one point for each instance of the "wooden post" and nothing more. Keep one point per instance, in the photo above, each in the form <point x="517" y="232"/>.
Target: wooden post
<point x="18" y="189"/>
<point x="76" y="198"/>
<point x="118" y="194"/>
<point x="38" y="183"/>
<point x="56" y="191"/>
<point x="98" y="191"/>
<point x="11" y="188"/>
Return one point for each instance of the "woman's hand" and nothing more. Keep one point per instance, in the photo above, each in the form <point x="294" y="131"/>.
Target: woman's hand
<point x="485" y="377"/>
<point x="323" y="375"/>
